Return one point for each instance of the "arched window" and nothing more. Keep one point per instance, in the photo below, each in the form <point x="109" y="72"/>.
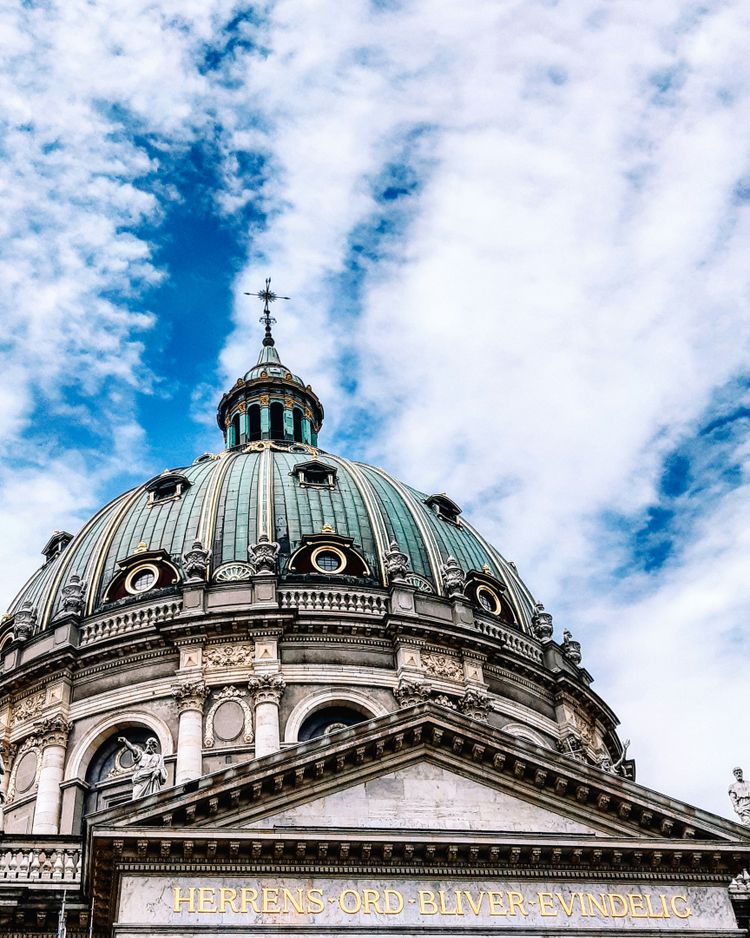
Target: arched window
<point x="254" y="417"/>
<point x="235" y="439"/>
<point x="329" y="720"/>
<point x="297" y="425"/>
<point x="277" y="420"/>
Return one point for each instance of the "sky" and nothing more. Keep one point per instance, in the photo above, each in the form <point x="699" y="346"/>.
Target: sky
<point x="516" y="238"/>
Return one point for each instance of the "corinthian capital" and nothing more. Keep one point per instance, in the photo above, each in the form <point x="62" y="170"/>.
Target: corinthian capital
<point x="267" y="688"/>
<point x="52" y="731"/>
<point x="190" y="695"/>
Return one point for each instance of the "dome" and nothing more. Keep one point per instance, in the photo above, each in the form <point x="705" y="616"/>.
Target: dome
<point x="261" y="598"/>
<point x="291" y="493"/>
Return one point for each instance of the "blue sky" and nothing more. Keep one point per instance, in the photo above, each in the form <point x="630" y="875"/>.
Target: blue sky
<point x="515" y="237"/>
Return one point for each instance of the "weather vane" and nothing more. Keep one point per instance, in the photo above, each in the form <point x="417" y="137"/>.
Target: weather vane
<point x="268" y="297"/>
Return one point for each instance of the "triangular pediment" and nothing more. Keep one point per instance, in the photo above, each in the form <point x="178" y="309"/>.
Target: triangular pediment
<point x="426" y="796"/>
<point x="422" y="768"/>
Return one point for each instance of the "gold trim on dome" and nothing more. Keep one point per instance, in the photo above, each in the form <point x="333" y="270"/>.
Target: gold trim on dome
<point x="264" y="400"/>
<point x="327" y="529"/>
<point x="137" y="571"/>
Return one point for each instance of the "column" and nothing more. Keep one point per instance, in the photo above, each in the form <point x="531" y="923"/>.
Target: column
<point x="245" y="426"/>
<point x="53" y="734"/>
<point x="190" y="698"/>
<point x="265" y="417"/>
<point x="266" y="691"/>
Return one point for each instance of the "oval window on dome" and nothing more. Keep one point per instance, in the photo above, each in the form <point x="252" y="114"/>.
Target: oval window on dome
<point x="328" y="559"/>
<point x="488" y="600"/>
<point x="141" y="579"/>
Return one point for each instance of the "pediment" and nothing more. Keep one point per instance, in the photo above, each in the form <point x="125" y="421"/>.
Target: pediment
<point x="410" y="760"/>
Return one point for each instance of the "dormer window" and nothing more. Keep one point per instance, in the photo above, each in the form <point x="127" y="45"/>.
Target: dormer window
<point x="328" y="554"/>
<point x="315" y="473"/>
<point x="444" y="507"/>
<point x="140" y="573"/>
<point x="167" y="486"/>
<point x="489" y="594"/>
<point x="57" y="543"/>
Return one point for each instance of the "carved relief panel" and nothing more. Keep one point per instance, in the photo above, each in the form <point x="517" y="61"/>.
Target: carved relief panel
<point x="229" y="720"/>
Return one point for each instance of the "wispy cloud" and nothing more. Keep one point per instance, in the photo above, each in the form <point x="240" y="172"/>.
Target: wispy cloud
<point x="514" y="236"/>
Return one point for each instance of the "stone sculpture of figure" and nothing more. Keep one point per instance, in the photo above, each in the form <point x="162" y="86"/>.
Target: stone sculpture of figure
<point x="262" y="555"/>
<point x="195" y="562"/>
<point x="72" y="596"/>
<point x="396" y="563"/>
<point x="614" y="768"/>
<point x="739" y="795"/>
<point x="150" y="772"/>
<point x="453" y="577"/>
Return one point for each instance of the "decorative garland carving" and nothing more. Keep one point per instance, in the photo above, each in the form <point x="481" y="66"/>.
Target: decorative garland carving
<point x="28" y="707"/>
<point x="443" y="666"/>
<point x="233" y="655"/>
<point x="237" y="695"/>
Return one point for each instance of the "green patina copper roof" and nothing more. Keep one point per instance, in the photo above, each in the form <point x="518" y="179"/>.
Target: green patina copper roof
<point x="237" y="495"/>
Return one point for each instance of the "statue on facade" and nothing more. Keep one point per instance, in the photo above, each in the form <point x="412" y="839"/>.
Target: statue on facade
<point x="72" y="596"/>
<point x="195" y="562"/>
<point x="149" y="773"/>
<point x="396" y="563"/>
<point x="262" y="556"/>
<point x="541" y="623"/>
<point x="614" y="768"/>
<point x="453" y="577"/>
<point x="739" y="795"/>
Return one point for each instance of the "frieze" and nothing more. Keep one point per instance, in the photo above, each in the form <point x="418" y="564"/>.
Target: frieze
<point x="28" y="708"/>
<point x="456" y="904"/>
<point x="443" y="666"/>
<point x="233" y="655"/>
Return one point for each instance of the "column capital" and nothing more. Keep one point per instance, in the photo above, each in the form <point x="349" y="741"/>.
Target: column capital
<point x="410" y="692"/>
<point x="475" y="704"/>
<point x="267" y="688"/>
<point x="190" y="695"/>
<point x="52" y="731"/>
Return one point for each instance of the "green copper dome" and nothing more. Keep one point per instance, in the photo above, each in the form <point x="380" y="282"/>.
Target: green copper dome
<point x="229" y="500"/>
<point x="272" y="485"/>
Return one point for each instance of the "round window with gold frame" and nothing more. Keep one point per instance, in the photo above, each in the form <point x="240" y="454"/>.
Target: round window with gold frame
<point x="488" y="599"/>
<point x="328" y="559"/>
<point x="141" y="579"/>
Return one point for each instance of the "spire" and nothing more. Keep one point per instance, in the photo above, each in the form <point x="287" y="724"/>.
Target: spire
<point x="268" y="297"/>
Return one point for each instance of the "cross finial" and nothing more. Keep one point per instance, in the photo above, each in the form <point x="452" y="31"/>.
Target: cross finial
<point x="268" y="297"/>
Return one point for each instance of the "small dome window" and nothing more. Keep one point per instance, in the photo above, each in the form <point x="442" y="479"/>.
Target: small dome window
<point x="141" y="579"/>
<point x="444" y="507"/>
<point x="315" y="473"/>
<point x="141" y="572"/>
<point x="328" y="560"/>
<point x="57" y="543"/>
<point x="167" y="486"/>
<point x="488" y="599"/>
<point x="488" y="594"/>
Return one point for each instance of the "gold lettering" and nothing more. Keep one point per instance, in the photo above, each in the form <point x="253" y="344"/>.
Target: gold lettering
<point x="298" y="903"/>
<point x="271" y="899"/>
<point x="227" y="897"/>
<point x="599" y="904"/>
<point x="686" y="912"/>
<point x="476" y="908"/>
<point x="427" y="904"/>
<point x="546" y="904"/>
<point x="206" y="897"/>
<point x="189" y="899"/>
<point x="443" y="909"/>
<point x="651" y="913"/>
<point x="370" y="897"/>
<point x="579" y="896"/>
<point x="388" y="908"/>
<point x="616" y="897"/>
<point x="357" y="901"/>
<point x="496" y="900"/>
<point x="636" y="905"/>
<point x="567" y="909"/>
<point x="249" y="897"/>
<point x="515" y="899"/>
<point x="315" y="901"/>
